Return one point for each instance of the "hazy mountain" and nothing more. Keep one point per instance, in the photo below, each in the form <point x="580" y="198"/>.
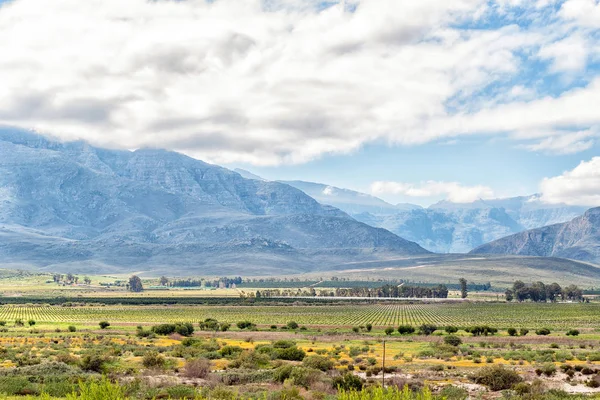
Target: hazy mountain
<point x="578" y="239"/>
<point x="83" y="207"/>
<point x="444" y="227"/>
<point x="248" y="174"/>
<point x="349" y="201"/>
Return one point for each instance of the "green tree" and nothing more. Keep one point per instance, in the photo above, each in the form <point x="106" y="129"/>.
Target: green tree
<point x="163" y="280"/>
<point x="135" y="284"/>
<point x="463" y="288"/>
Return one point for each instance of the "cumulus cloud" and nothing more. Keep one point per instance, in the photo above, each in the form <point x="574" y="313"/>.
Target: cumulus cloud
<point x="279" y="81"/>
<point x="580" y="186"/>
<point x="452" y="191"/>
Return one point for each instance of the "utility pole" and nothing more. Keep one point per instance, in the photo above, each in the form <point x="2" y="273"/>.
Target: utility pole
<point x="383" y="369"/>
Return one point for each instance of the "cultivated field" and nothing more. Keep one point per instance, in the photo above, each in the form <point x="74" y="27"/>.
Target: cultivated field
<point x="558" y="316"/>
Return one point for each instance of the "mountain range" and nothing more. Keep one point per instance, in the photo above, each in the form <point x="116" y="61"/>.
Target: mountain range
<point x="577" y="239"/>
<point x="444" y="227"/>
<point x="71" y="206"/>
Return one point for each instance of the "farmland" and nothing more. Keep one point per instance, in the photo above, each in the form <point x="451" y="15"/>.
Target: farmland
<point x="340" y="314"/>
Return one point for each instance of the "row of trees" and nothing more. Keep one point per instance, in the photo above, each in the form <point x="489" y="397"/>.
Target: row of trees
<point x="387" y="291"/>
<point x="540" y="292"/>
<point x="69" y="279"/>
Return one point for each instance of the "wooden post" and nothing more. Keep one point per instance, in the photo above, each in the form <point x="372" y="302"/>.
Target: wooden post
<point x="383" y="363"/>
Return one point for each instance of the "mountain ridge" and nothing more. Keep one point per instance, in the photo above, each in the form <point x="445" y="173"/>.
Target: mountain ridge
<point x="66" y="202"/>
<point x="578" y="239"/>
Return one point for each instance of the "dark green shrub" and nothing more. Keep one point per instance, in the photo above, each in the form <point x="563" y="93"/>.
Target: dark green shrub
<point x="318" y="362"/>
<point x="284" y="344"/>
<point x="290" y="354"/>
<point x="427" y="329"/>
<point x="153" y="359"/>
<point x="406" y="329"/>
<point x="72" y="328"/>
<point x="245" y="325"/>
<point x="511" y="331"/>
<point x="230" y="351"/>
<point x="104" y="324"/>
<point x="452" y="340"/>
<point x="292" y="325"/>
<point x="523" y="332"/>
<point x="451" y="329"/>
<point x="497" y="377"/>
<point x="93" y="363"/>
<point x="389" y="330"/>
<point x="572" y="332"/>
<point x="348" y="382"/>
<point x="542" y="332"/>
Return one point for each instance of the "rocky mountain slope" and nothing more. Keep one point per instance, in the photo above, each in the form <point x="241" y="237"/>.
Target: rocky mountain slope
<point x="78" y="207"/>
<point x="444" y="227"/>
<point x="578" y="239"/>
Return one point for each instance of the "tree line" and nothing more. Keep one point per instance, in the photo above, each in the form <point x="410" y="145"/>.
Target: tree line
<point x="540" y="292"/>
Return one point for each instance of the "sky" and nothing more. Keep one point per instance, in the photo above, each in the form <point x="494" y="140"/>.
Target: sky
<point x="411" y="101"/>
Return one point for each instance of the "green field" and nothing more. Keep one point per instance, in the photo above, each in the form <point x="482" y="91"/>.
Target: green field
<point x="500" y="315"/>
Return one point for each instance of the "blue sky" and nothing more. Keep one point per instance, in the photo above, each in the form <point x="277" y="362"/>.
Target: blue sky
<point x="412" y="101"/>
<point x="508" y="170"/>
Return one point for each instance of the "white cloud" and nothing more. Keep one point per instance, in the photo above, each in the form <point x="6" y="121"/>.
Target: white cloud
<point x="580" y="186"/>
<point x="585" y="12"/>
<point x="565" y="142"/>
<point x="568" y="54"/>
<point x="452" y="191"/>
<point x="277" y="81"/>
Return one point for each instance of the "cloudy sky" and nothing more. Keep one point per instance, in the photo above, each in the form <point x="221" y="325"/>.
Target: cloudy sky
<point x="413" y="101"/>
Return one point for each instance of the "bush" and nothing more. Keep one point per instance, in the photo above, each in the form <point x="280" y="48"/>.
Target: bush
<point x="153" y="359"/>
<point x="453" y="340"/>
<point x="427" y="329"/>
<point x="230" y="351"/>
<point x="19" y="322"/>
<point x="182" y="328"/>
<point x="93" y="363"/>
<point x="451" y="392"/>
<point x="292" y="325"/>
<point x="523" y="332"/>
<point x="72" y="328"/>
<point x="348" y="382"/>
<point x="497" y="377"/>
<point x="290" y="354"/>
<point x="451" y="329"/>
<point x="31" y="322"/>
<point x="282" y="373"/>
<point x="511" y="331"/>
<point x="104" y="324"/>
<point x="198" y="368"/>
<point x="245" y="325"/>
<point x="2" y="323"/>
<point x="369" y="327"/>
<point x="389" y="330"/>
<point x="284" y="344"/>
<point x="305" y="377"/>
<point x="572" y="332"/>
<point x="406" y="329"/>
<point x="318" y="362"/>
<point x="542" y="332"/>
<point x="479" y="330"/>
<point x="209" y="324"/>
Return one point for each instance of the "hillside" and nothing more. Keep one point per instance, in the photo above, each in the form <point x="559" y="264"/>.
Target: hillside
<point x="578" y="239"/>
<point x="70" y="206"/>
<point x="444" y="227"/>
